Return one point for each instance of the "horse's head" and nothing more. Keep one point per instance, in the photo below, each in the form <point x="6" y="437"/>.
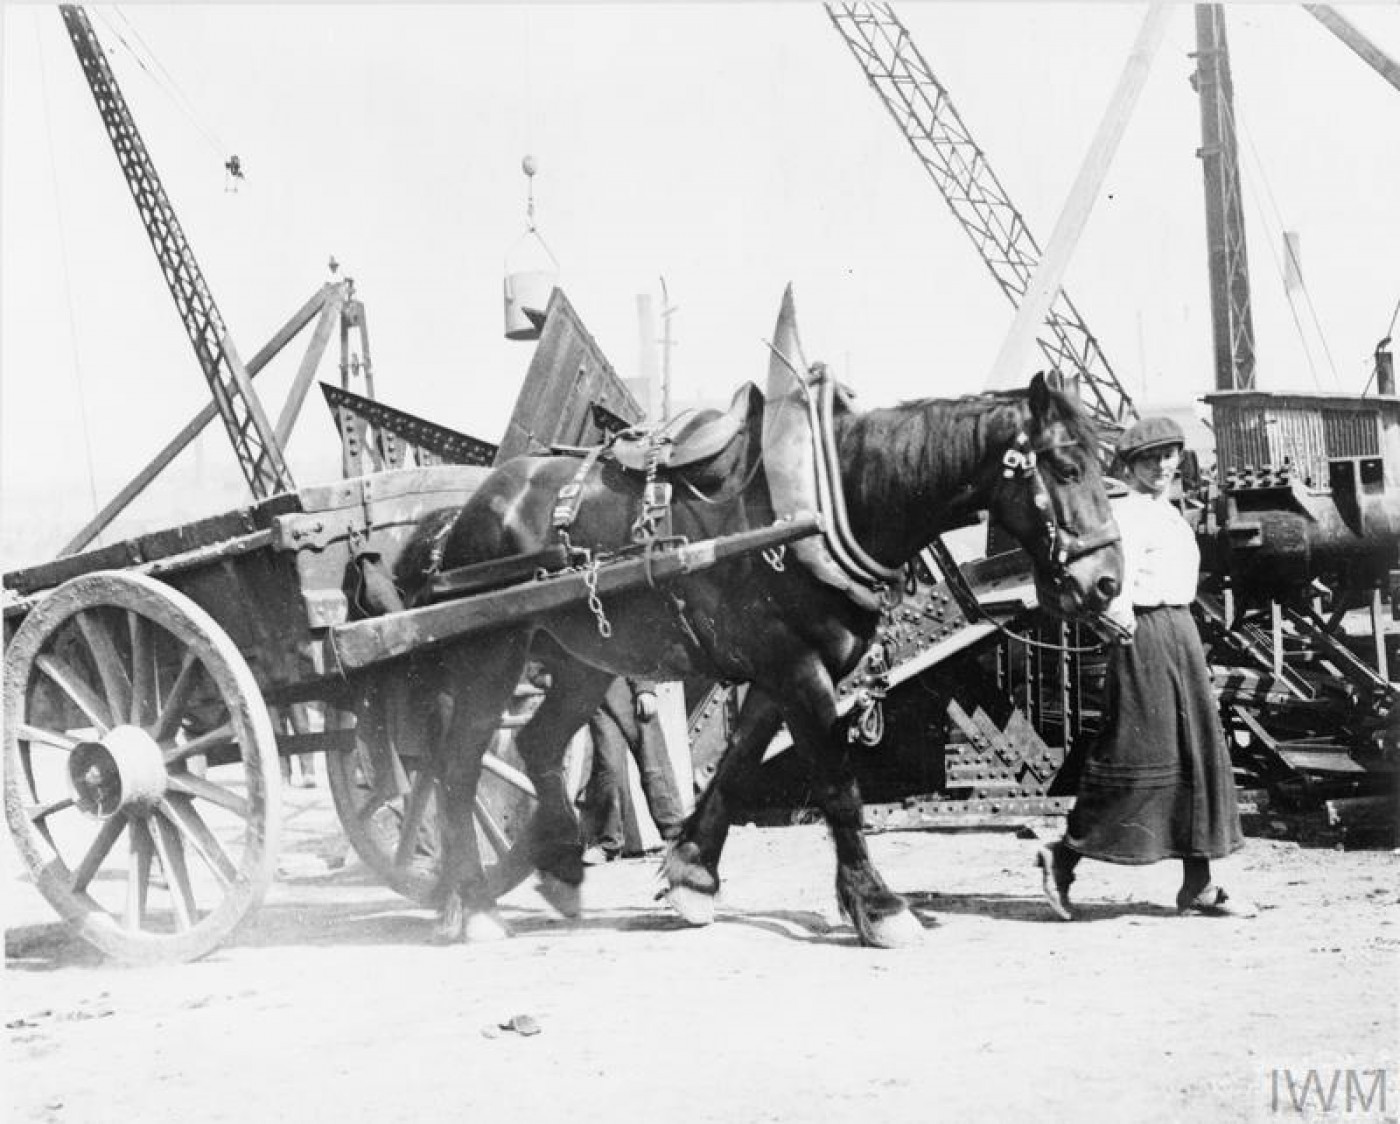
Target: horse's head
<point x="1051" y="497"/>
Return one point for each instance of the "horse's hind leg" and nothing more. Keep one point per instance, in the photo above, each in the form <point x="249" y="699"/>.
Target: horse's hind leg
<point x="482" y="679"/>
<point x="576" y="690"/>
<point x="691" y="868"/>
<point x="881" y="917"/>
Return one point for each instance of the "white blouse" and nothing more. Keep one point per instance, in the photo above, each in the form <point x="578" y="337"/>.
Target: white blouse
<point x="1161" y="562"/>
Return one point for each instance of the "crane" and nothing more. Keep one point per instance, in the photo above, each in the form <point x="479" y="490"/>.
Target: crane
<point x="254" y="441"/>
<point x="925" y="114"/>
<point x="1232" y="321"/>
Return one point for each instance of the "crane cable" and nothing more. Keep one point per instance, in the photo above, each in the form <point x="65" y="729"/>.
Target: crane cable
<point x="1270" y="223"/>
<point x="166" y="83"/>
<point x="67" y="277"/>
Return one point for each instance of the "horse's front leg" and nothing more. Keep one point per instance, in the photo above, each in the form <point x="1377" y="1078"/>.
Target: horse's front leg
<point x="881" y="917"/>
<point x="481" y="684"/>
<point x="691" y="866"/>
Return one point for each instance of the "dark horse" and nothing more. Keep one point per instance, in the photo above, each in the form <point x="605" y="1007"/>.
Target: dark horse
<point x="908" y="472"/>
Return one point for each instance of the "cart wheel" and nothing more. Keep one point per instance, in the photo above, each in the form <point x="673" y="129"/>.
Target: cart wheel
<point x="140" y="768"/>
<point x="386" y="793"/>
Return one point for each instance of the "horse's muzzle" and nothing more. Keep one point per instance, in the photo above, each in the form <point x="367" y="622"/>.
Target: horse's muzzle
<point x="1090" y="583"/>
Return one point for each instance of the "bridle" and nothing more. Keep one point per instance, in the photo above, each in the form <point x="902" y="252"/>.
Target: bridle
<point x="1060" y="546"/>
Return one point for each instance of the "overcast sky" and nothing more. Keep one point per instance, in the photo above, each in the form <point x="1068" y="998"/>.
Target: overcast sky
<point x="729" y="148"/>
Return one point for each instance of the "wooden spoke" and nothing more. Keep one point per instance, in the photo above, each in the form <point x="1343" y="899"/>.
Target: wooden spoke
<point x="37" y="735"/>
<point x="97" y="850"/>
<point x="216" y="738"/>
<point x="110" y="666"/>
<point x="500" y="843"/>
<point x="180" y="811"/>
<point x="144" y="702"/>
<point x="416" y="807"/>
<point x="508" y="773"/>
<point x="384" y="795"/>
<point x="38" y="813"/>
<point x="177" y="874"/>
<point x="66" y="679"/>
<point x="374" y="802"/>
<point x="191" y="785"/>
<point x="138" y="876"/>
<point x="173" y="708"/>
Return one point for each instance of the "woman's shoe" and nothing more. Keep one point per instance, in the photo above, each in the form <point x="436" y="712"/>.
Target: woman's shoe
<point x="1213" y="901"/>
<point x="1054" y="882"/>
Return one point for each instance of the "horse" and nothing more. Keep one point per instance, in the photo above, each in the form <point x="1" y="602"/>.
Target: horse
<point x="906" y="473"/>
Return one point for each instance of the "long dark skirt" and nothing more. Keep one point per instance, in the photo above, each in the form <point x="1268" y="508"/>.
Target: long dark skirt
<point x="1158" y="784"/>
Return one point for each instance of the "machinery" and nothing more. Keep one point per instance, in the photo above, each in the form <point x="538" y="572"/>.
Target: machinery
<point x="1298" y="521"/>
<point x="1299" y="528"/>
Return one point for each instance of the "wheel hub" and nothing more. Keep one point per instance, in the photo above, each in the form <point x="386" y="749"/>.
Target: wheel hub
<point x="124" y="770"/>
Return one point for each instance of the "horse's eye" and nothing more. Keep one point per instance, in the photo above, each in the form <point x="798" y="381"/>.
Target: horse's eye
<point x="1066" y="471"/>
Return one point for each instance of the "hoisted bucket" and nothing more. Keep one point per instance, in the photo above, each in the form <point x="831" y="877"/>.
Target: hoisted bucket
<point x="527" y="288"/>
<point x="531" y="274"/>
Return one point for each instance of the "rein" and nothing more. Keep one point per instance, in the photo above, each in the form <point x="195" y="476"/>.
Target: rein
<point x="966" y="598"/>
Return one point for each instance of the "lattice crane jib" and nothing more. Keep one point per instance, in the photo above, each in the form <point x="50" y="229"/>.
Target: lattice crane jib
<point x="924" y="113"/>
<point x="259" y="455"/>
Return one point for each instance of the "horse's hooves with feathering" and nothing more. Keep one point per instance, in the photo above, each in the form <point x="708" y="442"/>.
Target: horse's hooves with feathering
<point x="898" y="930"/>
<point x="451" y="920"/>
<point x="694" y="907"/>
<point x="566" y="898"/>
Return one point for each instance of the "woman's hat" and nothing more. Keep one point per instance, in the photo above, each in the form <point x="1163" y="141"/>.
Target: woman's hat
<point x="1150" y="433"/>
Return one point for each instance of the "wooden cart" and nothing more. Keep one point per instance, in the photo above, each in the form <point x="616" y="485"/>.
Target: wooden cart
<point x="151" y="686"/>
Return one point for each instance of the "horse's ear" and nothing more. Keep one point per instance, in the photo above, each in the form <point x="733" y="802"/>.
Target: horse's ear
<point x="1040" y="396"/>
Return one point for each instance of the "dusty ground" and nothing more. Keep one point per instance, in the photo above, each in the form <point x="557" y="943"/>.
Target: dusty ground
<point x="332" y="1005"/>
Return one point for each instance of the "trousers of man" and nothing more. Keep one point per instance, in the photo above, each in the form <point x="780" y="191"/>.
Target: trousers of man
<point x="616" y="730"/>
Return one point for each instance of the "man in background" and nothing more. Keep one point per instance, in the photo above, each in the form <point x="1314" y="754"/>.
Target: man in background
<point x="627" y="722"/>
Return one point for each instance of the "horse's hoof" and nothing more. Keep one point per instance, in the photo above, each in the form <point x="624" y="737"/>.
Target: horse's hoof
<point x="445" y="934"/>
<point x="451" y="922"/>
<point x="484" y="926"/>
<point x="898" y="930"/>
<point x="694" y="907"/>
<point x="565" y="897"/>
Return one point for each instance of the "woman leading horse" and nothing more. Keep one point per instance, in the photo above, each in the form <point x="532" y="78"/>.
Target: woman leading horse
<point x="906" y="473"/>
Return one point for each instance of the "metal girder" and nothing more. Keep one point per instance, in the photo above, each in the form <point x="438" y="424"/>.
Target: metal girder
<point x="254" y="443"/>
<point x="1231" y="319"/>
<point x="396" y="434"/>
<point x="1353" y="37"/>
<point x="925" y="114"/>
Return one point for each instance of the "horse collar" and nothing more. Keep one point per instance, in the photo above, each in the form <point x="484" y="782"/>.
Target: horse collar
<point x="840" y="539"/>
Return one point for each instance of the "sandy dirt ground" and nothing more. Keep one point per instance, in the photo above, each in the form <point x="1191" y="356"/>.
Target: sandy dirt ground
<point x="332" y="1005"/>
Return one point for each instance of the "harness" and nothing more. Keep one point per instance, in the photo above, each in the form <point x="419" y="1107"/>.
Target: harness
<point x="570" y="499"/>
<point x="1060" y="547"/>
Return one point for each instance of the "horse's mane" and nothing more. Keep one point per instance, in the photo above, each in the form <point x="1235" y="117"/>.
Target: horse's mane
<point x="895" y="444"/>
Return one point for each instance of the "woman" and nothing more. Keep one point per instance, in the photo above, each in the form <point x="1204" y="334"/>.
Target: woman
<point x="1158" y="784"/>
